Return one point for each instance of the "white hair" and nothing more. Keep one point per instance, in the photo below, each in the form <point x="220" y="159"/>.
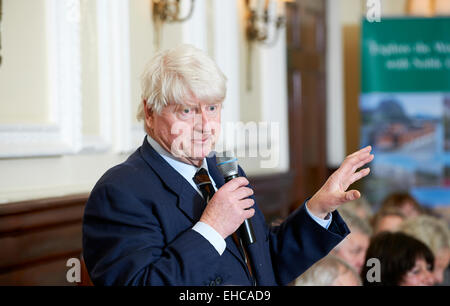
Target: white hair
<point x="428" y="229"/>
<point x="180" y="75"/>
<point x="354" y="222"/>
<point x="360" y="204"/>
<point x="325" y="272"/>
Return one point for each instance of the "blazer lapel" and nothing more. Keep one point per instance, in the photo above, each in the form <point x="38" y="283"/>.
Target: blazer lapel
<point x="189" y="201"/>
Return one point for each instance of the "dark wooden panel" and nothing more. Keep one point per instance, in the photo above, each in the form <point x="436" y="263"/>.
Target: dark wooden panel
<point x="49" y="273"/>
<point x="352" y="84"/>
<point x="306" y="61"/>
<point x="306" y="43"/>
<point x="36" y="246"/>
<point x="40" y="205"/>
<point x="38" y="237"/>
<point x="273" y="194"/>
<point x="42" y="218"/>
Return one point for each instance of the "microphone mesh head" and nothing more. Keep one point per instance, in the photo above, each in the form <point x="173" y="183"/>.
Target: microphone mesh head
<point x="227" y="164"/>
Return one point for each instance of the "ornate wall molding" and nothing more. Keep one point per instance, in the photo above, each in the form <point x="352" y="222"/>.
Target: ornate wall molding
<point x="103" y="141"/>
<point x="63" y="134"/>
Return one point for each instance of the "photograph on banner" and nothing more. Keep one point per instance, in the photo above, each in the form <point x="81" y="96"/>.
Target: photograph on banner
<point x="407" y="134"/>
<point x="405" y="108"/>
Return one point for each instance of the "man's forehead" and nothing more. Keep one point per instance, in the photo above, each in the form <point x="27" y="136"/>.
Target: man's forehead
<point x="193" y="103"/>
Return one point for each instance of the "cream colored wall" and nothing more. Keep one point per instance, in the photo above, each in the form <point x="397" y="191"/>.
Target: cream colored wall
<point x="351" y="11"/>
<point x="250" y="90"/>
<point x="23" y="74"/>
<point x="393" y="8"/>
<point x="140" y="27"/>
<point x="25" y="98"/>
<point x="90" y="69"/>
<point x="142" y="45"/>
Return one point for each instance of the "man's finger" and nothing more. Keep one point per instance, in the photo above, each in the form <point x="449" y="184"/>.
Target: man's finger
<point x="367" y="149"/>
<point x="351" y="195"/>
<point x="243" y="192"/>
<point x="246" y="203"/>
<point x="359" y="175"/>
<point x="249" y="213"/>
<point x="236" y="183"/>
<point x="352" y="164"/>
<point x="361" y="163"/>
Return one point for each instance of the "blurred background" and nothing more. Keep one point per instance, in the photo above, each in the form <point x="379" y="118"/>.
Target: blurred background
<point x="332" y="75"/>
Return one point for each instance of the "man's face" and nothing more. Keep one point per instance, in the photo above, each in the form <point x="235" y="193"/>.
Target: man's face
<point x="189" y="132"/>
<point x="353" y="249"/>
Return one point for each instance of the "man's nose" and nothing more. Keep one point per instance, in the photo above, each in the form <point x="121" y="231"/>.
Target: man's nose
<point x="201" y="122"/>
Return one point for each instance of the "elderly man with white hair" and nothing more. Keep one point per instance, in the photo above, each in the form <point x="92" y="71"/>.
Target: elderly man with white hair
<point x="166" y="216"/>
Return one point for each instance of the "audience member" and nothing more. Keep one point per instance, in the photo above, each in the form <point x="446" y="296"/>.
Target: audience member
<point x="329" y="271"/>
<point x="404" y="261"/>
<point x="403" y="202"/>
<point x="436" y="235"/>
<point x="353" y="248"/>
<point x="387" y="220"/>
<point x="360" y="207"/>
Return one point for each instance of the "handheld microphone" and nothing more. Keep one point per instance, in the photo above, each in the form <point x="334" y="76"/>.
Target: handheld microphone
<point x="228" y="167"/>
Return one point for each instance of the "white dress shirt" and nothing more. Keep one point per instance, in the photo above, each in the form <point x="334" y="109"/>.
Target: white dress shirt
<point x="188" y="172"/>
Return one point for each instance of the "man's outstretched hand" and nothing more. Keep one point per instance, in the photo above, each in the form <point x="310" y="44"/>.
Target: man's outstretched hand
<point x="334" y="192"/>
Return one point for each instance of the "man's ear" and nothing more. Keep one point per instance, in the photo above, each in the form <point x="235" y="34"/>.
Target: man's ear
<point x="148" y="118"/>
<point x="147" y="111"/>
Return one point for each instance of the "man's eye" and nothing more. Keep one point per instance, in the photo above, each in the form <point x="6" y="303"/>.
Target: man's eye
<point x="212" y="108"/>
<point x="186" y="111"/>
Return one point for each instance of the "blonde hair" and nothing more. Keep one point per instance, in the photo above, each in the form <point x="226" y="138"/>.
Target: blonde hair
<point x="430" y="230"/>
<point x="360" y="203"/>
<point x="325" y="272"/>
<point x="180" y="75"/>
<point x="354" y="222"/>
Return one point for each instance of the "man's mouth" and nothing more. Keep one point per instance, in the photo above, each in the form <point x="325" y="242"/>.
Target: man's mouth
<point x="201" y="140"/>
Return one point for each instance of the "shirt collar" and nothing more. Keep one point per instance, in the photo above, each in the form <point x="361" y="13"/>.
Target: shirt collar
<point x="186" y="170"/>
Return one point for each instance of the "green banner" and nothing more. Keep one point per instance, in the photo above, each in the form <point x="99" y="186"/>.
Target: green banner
<point x="405" y="55"/>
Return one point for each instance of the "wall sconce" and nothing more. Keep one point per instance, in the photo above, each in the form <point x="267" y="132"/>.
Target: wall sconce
<point x="259" y="25"/>
<point x="167" y="11"/>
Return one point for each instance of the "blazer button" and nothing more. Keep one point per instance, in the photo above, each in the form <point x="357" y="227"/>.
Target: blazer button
<point x="218" y="280"/>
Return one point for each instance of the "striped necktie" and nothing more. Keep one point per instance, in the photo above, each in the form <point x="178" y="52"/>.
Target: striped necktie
<point x="206" y="187"/>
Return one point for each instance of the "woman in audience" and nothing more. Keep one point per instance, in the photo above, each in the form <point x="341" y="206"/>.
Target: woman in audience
<point x="360" y="207"/>
<point x="403" y="202"/>
<point x="436" y="235"/>
<point x="353" y="248"/>
<point x="329" y="271"/>
<point x="387" y="220"/>
<point x="403" y="261"/>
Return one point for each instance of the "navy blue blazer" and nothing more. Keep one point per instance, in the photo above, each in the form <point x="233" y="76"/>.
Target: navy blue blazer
<point x="137" y="230"/>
